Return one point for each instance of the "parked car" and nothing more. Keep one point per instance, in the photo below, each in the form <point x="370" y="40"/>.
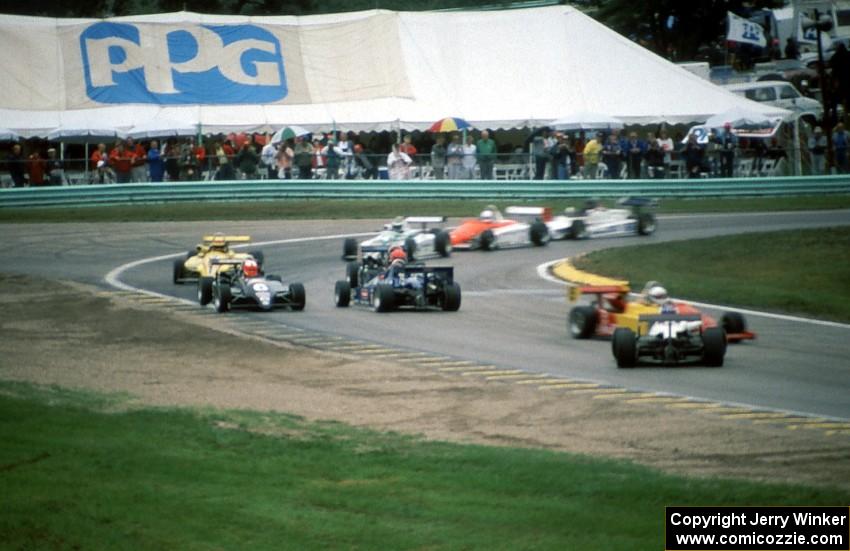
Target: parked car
<point x="781" y="94"/>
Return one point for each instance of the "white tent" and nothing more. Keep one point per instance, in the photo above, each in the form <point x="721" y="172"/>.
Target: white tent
<point x="159" y="128"/>
<point x="373" y="70"/>
<point x="586" y="121"/>
<point x="8" y="135"/>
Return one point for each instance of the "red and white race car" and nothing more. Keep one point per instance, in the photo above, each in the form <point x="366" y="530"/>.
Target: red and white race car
<point x="523" y="226"/>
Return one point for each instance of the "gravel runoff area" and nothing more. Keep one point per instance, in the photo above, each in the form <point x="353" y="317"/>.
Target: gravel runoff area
<point x="73" y="335"/>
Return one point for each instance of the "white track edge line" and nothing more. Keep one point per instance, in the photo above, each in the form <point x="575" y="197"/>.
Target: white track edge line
<point x="113" y="278"/>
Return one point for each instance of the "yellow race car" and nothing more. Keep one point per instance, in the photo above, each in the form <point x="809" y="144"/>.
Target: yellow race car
<point x="197" y="264"/>
<point x="653" y="328"/>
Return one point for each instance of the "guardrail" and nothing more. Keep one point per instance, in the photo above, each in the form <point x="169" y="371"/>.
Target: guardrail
<point x="263" y="190"/>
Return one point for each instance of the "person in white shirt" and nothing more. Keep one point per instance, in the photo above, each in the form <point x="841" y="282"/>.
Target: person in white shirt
<point x="398" y="164"/>
<point x="469" y="159"/>
<point x="267" y="158"/>
<point x="665" y="143"/>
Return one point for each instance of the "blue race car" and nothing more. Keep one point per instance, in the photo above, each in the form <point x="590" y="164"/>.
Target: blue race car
<point x="414" y="286"/>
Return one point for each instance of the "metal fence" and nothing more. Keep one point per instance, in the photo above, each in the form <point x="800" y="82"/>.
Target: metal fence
<point x="264" y="190"/>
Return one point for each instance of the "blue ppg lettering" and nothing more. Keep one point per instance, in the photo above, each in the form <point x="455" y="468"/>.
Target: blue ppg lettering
<point x="202" y="64"/>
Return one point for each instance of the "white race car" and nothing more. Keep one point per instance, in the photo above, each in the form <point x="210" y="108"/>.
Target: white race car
<point x="595" y="220"/>
<point x="411" y="233"/>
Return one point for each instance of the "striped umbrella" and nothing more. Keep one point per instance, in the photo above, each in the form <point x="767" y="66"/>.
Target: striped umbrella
<point x="449" y="124"/>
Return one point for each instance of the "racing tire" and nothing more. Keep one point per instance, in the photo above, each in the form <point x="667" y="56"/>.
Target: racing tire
<point x="297" y="296"/>
<point x="713" y="346"/>
<point x="177" y="276"/>
<point x="349" y="248"/>
<point x="259" y="257"/>
<point x="205" y="290"/>
<point x="538" y="233"/>
<point x="384" y="298"/>
<point x="578" y="230"/>
<point x="646" y="223"/>
<point x="342" y="294"/>
<point x="221" y="297"/>
<point x="451" y="298"/>
<point x="442" y="243"/>
<point x="624" y="346"/>
<point x="410" y="249"/>
<point x="487" y="240"/>
<point x="733" y="322"/>
<point x="352" y="269"/>
<point x="582" y="322"/>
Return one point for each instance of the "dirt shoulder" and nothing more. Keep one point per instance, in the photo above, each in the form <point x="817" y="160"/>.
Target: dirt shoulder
<point x="72" y="335"/>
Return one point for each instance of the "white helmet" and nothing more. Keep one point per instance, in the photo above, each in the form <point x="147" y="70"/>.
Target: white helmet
<point x="487" y="215"/>
<point x="398" y="224"/>
<point x="657" y="294"/>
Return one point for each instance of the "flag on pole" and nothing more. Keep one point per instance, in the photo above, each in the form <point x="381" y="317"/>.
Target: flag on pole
<point x="742" y="30"/>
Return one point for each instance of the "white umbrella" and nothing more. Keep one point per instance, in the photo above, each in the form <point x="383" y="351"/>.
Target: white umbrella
<point x="8" y="135"/>
<point x="586" y="120"/>
<point x="71" y="134"/>
<point x="158" y="128"/>
<point x="741" y="118"/>
<point x="287" y="132"/>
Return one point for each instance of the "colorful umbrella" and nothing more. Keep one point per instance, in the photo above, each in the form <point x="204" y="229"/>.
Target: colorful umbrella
<point x="449" y="124"/>
<point x="289" y="132"/>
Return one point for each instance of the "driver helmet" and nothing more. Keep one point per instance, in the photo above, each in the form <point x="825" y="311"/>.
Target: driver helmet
<point x="398" y="224"/>
<point x="397" y="253"/>
<point x="250" y="268"/>
<point x="657" y="294"/>
<point x="488" y="214"/>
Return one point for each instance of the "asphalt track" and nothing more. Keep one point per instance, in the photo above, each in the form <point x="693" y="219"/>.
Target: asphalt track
<point x="513" y="318"/>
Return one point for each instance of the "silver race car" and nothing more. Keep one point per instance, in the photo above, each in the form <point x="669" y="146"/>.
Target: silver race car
<point x="595" y="220"/>
<point x="412" y="234"/>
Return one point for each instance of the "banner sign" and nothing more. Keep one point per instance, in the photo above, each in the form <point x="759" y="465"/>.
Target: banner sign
<point x="742" y="30"/>
<point x="181" y="59"/>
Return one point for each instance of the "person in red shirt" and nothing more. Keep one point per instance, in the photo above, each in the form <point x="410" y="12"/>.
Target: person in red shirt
<point x="36" y="167"/>
<point x="138" y="169"/>
<point x="101" y="172"/>
<point x="121" y="161"/>
<point x="407" y="146"/>
<point x="98" y="155"/>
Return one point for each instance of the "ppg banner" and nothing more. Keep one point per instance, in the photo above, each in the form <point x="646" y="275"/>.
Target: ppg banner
<point x="187" y="59"/>
<point x="742" y="30"/>
<point x="203" y="64"/>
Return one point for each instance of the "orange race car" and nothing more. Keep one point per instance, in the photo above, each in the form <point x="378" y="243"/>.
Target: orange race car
<point x="491" y="231"/>
<point x="653" y="327"/>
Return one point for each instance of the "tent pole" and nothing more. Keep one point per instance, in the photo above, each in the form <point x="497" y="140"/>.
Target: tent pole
<point x="798" y="161"/>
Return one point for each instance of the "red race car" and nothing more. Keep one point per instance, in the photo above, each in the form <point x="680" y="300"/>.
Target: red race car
<point x="526" y="226"/>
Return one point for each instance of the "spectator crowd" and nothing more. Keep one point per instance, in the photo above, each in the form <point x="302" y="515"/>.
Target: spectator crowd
<point x="545" y="154"/>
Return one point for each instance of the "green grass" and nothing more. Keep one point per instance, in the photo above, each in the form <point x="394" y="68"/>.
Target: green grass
<point x="78" y="472"/>
<point x="345" y="209"/>
<point x="800" y="271"/>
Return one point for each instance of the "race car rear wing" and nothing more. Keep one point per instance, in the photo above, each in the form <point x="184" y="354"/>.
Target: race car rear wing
<point x="225" y="239"/>
<point x="425" y="220"/>
<point x="227" y="261"/>
<point x="664" y="318"/>
<point x="575" y="291"/>
<point x="529" y="213"/>
<point x="444" y="273"/>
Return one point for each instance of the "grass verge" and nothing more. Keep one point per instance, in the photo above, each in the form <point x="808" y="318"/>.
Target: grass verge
<point x="798" y="271"/>
<point x="347" y="209"/>
<point x="79" y="471"/>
